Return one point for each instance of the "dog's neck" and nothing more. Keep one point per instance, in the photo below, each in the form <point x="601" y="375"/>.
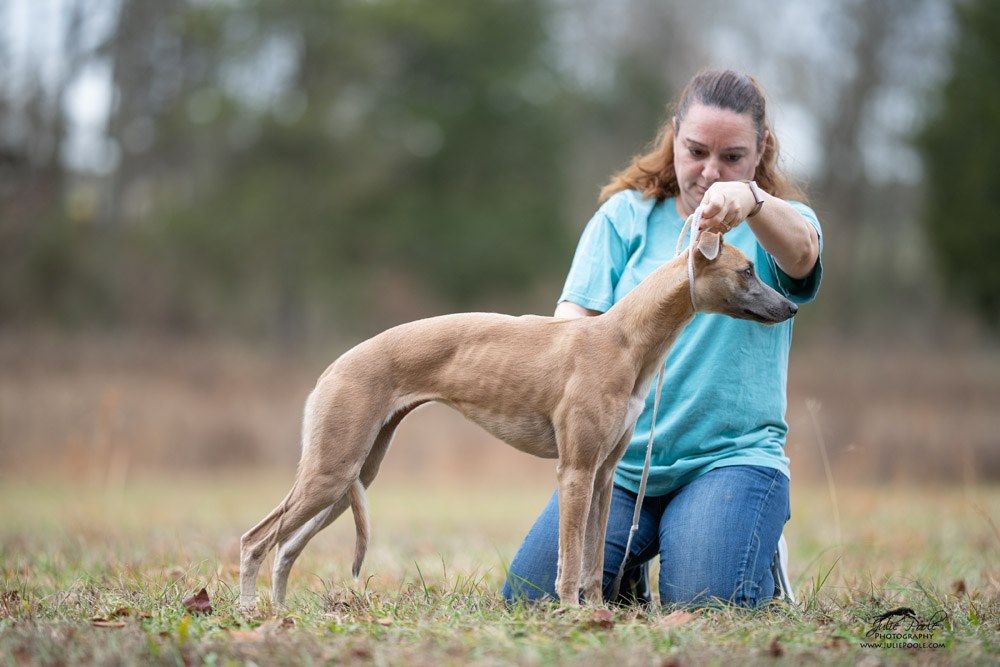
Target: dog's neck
<point x="651" y="316"/>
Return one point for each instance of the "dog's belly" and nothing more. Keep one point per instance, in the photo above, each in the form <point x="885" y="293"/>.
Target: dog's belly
<point x="530" y="433"/>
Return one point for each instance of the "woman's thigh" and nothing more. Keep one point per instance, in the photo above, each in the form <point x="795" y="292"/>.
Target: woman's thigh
<point x="532" y="573"/>
<point x="719" y="534"/>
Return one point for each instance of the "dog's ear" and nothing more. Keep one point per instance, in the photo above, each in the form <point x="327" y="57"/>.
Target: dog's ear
<point x="709" y="244"/>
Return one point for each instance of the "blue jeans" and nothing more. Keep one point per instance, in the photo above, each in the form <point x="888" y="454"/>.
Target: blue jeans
<point x="716" y="538"/>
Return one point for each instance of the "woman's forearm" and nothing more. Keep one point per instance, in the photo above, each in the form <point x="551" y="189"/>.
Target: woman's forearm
<point x="787" y="236"/>
<point x="779" y="228"/>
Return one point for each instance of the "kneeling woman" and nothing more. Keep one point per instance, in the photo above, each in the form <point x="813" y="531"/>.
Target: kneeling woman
<point x="717" y="497"/>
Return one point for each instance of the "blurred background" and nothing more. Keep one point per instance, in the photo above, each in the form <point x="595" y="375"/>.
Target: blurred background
<point x="203" y="203"/>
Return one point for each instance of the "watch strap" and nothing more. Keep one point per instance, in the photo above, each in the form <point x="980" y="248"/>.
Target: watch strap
<point x="758" y="197"/>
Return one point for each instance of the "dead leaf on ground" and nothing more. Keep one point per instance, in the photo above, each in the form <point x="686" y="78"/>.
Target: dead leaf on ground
<point x="602" y="618"/>
<point x="199" y="603"/>
<point x="9" y="602"/>
<point x="384" y="621"/>
<point x="958" y="587"/>
<point x="124" y="612"/>
<point x="675" y="618"/>
<point x="775" y="649"/>
<point x="105" y="623"/>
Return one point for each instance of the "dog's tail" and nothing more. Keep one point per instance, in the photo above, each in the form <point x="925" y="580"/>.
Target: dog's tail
<point x="359" y="506"/>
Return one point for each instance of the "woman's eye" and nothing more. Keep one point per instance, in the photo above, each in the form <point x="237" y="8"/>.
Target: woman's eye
<point x="734" y="158"/>
<point x="695" y="152"/>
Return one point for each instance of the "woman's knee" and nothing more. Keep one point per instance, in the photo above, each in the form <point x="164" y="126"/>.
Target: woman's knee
<point x="705" y="587"/>
<point x="532" y="572"/>
<point x="719" y="536"/>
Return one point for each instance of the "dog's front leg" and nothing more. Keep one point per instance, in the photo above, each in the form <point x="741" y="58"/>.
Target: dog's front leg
<point x="597" y="524"/>
<point x="576" y="486"/>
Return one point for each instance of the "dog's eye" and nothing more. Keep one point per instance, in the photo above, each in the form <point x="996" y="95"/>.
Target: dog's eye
<point x="748" y="272"/>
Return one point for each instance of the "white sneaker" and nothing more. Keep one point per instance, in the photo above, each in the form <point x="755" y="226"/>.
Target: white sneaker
<point x="779" y="569"/>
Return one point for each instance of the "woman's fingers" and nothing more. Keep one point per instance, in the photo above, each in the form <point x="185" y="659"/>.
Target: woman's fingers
<point x="713" y="212"/>
<point x="719" y="213"/>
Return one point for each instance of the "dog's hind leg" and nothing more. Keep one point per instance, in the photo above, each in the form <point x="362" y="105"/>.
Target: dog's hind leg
<point x="309" y="495"/>
<point x="290" y="550"/>
<point x="325" y="472"/>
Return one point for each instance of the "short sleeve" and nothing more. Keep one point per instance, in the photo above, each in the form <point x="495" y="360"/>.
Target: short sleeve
<point x="597" y="265"/>
<point x="798" y="290"/>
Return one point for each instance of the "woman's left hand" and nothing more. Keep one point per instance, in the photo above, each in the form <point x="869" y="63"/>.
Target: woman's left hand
<point x="725" y="205"/>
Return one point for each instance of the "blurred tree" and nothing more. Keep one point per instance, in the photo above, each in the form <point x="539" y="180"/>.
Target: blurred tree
<point x="39" y="262"/>
<point x="961" y="151"/>
<point x="329" y="144"/>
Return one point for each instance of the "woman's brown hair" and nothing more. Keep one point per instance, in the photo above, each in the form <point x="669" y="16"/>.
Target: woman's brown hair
<point x="652" y="173"/>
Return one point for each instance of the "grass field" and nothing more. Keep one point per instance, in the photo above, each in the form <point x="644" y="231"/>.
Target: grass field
<point x="97" y="572"/>
<point x="118" y="500"/>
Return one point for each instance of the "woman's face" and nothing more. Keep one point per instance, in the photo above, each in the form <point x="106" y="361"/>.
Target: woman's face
<point x="712" y="144"/>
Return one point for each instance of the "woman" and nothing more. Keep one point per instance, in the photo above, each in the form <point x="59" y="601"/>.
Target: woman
<point x="717" y="496"/>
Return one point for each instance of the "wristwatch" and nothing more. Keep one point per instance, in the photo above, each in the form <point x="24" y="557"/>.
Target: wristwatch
<point x="758" y="197"/>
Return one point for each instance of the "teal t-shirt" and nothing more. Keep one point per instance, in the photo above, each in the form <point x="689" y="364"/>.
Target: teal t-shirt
<point x="724" y="393"/>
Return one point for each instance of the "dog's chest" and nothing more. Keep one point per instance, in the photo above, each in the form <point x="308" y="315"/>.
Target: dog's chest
<point x="635" y="406"/>
<point x="529" y="432"/>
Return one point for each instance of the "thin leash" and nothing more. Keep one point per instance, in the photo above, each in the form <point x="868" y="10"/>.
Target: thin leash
<point x="694" y="224"/>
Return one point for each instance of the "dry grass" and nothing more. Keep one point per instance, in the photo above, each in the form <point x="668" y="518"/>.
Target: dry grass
<point x="120" y="490"/>
<point x="73" y="552"/>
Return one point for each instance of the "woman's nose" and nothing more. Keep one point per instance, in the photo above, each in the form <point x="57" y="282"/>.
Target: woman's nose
<point x="710" y="171"/>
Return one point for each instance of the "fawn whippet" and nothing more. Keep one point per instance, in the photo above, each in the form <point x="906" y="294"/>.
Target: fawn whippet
<point x="570" y="389"/>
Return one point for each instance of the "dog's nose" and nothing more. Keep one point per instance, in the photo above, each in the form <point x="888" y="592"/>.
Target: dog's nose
<point x="792" y="308"/>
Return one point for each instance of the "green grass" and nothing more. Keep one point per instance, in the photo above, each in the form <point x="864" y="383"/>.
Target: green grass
<point x="72" y="551"/>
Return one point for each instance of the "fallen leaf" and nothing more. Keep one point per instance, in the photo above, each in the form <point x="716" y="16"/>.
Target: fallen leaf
<point x="775" y="649"/>
<point x="121" y="611"/>
<point x="124" y="612"/>
<point x="199" y="603"/>
<point x="602" y="618"/>
<point x="105" y="623"/>
<point x="958" y="587"/>
<point x="9" y="602"/>
<point x="384" y="621"/>
<point x="675" y="618"/>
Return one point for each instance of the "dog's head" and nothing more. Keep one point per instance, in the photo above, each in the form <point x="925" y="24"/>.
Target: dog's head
<point x="726" y="283"/>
